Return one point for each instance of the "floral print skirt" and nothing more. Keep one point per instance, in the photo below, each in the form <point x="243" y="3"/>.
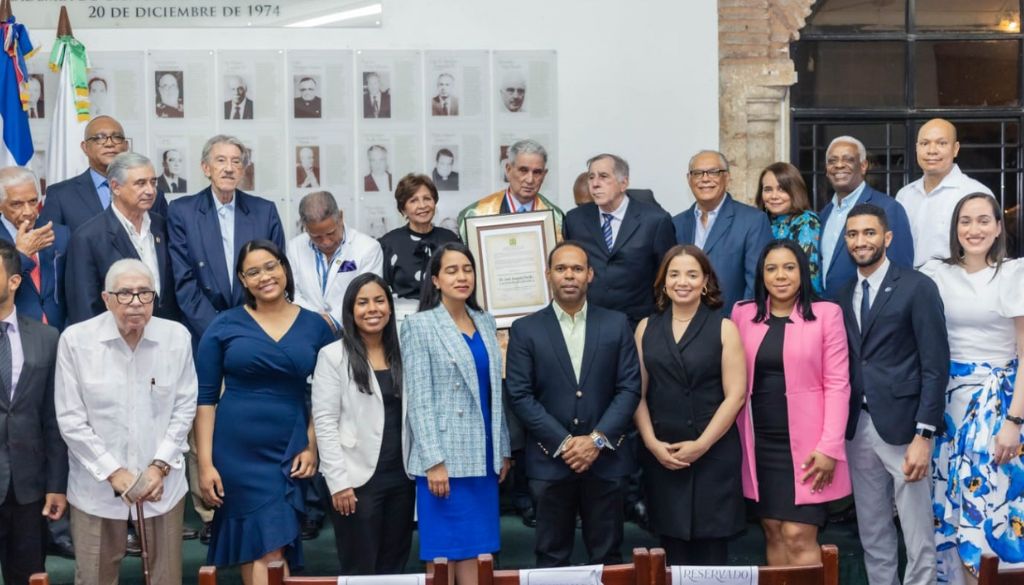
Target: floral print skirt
<point x="978" y="505"/>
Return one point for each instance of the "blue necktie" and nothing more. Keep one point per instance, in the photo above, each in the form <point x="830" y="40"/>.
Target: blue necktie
<point x="6" y="366"/>
<point x="865" y="304"/>
<point x="606" y="229"/>
<point x="522" y="209"/>
<point x="104" y="192"/>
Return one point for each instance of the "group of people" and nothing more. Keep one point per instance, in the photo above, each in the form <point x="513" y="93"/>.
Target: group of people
<point x="766" y="357"/>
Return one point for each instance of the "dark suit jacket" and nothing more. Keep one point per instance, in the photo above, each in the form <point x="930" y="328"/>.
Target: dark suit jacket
<point x="901" y="252"/>
<point x="737" y="238"/>
<point x="552" y="405"/>
<point x="645" y="195"/>
<point x="32" y="302"/>
<point x="304" y="109"/>
<point x="163" y="185"/>
<point x="901" y="360"/>
<point x="449" y="184"/>
<point x="100" y="242"/>
<point x="197" y="253"/>
<point x="370" y="185"/>
<point x="75" y="201"/>
<point x="229" y="109"/>
<point x="624" y="276"/>
<point x="385" y="106"/>
<point x="33" y="457"/>
<point x="436" y="109"/>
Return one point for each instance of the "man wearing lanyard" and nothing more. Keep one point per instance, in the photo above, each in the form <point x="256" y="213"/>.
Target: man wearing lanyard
<point x="327" y="255"/>
<point x="526" y="169"/>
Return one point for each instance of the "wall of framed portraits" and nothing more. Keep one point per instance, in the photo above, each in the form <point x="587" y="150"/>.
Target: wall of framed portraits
<point x="441" y="89"/>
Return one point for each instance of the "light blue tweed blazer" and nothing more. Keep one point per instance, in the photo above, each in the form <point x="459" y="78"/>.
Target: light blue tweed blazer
<point x="443" y="395"/>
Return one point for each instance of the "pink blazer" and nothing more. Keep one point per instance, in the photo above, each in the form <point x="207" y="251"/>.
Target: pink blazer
<point x="816" y="362"/>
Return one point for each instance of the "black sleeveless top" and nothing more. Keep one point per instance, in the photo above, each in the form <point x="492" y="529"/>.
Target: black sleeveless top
<point x="683" y="393"/>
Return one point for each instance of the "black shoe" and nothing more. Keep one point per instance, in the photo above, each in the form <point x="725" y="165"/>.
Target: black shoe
<point x="61" y="547"/>
<point x="529" y="516"/>
<point x="310" y="529"/>
<point x="204" y="533"/>
<point x="188" y="533"/>
<point x="133" y="547"/>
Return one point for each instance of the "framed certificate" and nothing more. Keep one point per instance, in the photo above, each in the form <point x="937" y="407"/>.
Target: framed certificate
<point x="512" y="254"/>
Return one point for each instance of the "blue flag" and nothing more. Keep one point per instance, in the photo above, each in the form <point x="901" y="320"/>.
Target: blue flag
<point x="14" y="91"/>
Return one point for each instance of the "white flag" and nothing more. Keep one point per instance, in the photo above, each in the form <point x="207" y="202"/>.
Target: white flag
<point x="67" y="129"/>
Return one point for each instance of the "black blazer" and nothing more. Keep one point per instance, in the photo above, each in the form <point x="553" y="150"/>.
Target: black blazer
<point x="34" y="458"/>
<point x="546" y="397"/>
<point x="75" y="201"/>
<point x="624" y="276"/>
<point x="229" y="109"/>
<point x="99" y="243"/>
<point x="901" y="361"/>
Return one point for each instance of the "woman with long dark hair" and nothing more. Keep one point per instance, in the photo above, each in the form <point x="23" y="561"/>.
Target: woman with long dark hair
<point x="261" y="355"/>
<point x="793" y="426"/>
<point x="977" y="470"/>
<point x="359" y="414"/>
<point x="693" y="378"/>
<point x="460" y="447"/>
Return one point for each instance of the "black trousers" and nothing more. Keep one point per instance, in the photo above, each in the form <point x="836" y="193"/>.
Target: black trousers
<point x="599" y="505"/>
<point x="376" y="539"/>
<point x="699" y="551"/>
<point x="22" y="539"/>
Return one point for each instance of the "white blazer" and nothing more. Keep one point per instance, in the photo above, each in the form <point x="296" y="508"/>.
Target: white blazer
<point x="349" y="424"/>
<point x="358" y="249"/>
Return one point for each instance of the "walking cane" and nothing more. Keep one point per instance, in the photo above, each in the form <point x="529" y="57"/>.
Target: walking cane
<point x="140" y="527"/>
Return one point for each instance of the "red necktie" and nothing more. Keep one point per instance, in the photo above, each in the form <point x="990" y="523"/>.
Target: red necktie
<point x="37" y="279"/>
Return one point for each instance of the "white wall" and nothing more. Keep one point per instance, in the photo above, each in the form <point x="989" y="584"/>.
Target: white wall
<point x="635" y="77"/>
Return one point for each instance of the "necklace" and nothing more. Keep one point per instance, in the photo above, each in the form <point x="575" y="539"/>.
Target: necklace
<point x="682" y="320"/>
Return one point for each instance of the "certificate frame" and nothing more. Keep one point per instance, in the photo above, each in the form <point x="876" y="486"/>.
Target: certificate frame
<point x="520" y="287"/>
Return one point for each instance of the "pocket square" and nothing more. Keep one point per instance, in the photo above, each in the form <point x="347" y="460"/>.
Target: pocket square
<point x="347" y="266"/>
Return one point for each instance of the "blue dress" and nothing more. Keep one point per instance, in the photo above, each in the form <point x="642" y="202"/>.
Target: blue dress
<point x="260" y="427"/>
<point x="465" y="524"/>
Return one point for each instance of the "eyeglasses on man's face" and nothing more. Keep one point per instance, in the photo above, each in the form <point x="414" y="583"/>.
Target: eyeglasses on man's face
<point x="701" y="173"/>
<point x="127" y="297"/>
<point x="103" y="138"/>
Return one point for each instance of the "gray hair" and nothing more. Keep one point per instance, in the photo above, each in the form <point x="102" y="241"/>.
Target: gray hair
<point x="721" y="158"/>
<point x="225" y="139"/>
<point x="861" y="151"/>
<point x="528" y="146"/>
<point x="123" y="267"/>
<point x="11" y="176"/>
<point x="124" y="162"/>
<point x="318" y="206"/>
<point x="620" y="164"/>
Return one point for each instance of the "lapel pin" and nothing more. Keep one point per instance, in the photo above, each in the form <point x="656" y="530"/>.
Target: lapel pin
<point x="888" y="289"/>
<point x="158" y="239"/>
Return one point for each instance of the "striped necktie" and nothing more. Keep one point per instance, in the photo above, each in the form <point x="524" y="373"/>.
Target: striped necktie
<point x="606" y="229"/>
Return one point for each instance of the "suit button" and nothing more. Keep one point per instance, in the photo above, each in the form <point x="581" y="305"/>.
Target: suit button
<point x="579" y="394"/>
<point x="690" y="422"/>
<point x="575" y="421"/>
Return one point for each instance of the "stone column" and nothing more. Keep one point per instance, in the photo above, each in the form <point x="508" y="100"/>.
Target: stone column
<point x="755" y="73"/>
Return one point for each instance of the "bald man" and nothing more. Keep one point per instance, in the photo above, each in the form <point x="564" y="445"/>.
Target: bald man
<point x="930" y="200"/>
<point x="581" y="189"/>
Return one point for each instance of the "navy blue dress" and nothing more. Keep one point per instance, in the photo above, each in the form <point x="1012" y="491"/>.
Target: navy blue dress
<point x="465" y="524"/>
<point x="260" y="427"/>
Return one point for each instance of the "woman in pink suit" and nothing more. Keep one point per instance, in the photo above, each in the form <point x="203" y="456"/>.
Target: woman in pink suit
<point x="798" y="397"/>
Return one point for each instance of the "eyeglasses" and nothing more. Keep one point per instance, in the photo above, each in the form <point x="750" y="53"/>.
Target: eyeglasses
<point x="103" y="138"/>
<point x="127" y="297"/>
<point x="256" y="272"/>
<point x="700" y="174"/>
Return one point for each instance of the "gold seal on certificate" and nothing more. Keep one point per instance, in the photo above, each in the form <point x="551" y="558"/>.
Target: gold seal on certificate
<point x="512" y="253"/>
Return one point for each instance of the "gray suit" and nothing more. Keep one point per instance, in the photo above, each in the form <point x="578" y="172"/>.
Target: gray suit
<point x="33" y="457"/>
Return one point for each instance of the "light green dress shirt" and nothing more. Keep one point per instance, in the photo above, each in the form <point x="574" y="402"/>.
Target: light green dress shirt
<point x="574" y="331"/>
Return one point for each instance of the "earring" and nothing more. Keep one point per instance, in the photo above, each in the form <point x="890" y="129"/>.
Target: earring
<point x="704" y="291"/>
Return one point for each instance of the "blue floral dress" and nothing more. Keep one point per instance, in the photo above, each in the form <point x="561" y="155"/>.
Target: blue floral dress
<point x="805" y="229"/>
<point x="978" y="505"/>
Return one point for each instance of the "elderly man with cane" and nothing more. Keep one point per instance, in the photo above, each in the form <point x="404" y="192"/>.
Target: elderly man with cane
<point x="125" y="397"/>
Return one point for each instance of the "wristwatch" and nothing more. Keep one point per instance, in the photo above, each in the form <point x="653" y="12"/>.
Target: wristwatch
<point x="162" y="466"/>
<point x="599" y="441"/>
<point x="926" y="433"/>
<point x="1015" y="419"/>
